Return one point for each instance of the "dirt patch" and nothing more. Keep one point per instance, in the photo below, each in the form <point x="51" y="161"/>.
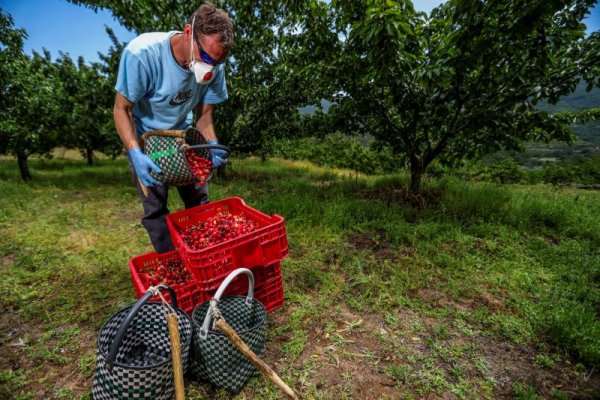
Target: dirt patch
<point x="438" y="299"/>
<point x="8" y="259"/>
<point x="344" y="360"/>
<point x="359" y="357"/>
<point x="510" y="363"/>
<point x="432" y="296"/>
<point x="378" y="244"/>
<point x="49" y="364"/>
<point x="488" y="300"/>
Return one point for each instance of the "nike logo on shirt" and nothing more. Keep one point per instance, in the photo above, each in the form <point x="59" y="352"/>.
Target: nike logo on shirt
<point x="181" y="98"/>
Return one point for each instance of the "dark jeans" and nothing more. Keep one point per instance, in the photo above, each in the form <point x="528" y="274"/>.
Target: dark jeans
<point x="155" y="209"/>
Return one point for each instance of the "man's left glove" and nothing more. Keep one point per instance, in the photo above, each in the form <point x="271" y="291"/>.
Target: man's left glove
<point x="219" y="157"/>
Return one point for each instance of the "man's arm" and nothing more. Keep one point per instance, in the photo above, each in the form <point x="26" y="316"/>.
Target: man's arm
<point x="207" y="128"/>
<point x="123" y="114"/>
<point x="205" y="122"/>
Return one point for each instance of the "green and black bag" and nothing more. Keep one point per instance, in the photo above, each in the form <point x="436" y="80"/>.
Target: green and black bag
<point x="213" y="357"/>
<point x="167" y="148"/>
<point x="134" y="351"/>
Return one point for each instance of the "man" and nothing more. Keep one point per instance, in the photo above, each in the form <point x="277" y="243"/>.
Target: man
<point x="163" y="77"/>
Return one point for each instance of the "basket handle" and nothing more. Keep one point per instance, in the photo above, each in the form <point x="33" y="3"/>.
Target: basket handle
<point x="215" y="300"/>
<point x="116" y="344"/>
<point x="168" y="132"/>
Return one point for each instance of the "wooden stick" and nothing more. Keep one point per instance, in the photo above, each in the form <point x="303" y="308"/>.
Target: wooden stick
<point x="260" y="364"/>
<point x="144" y="188"/>
<point x="176" y="356"/>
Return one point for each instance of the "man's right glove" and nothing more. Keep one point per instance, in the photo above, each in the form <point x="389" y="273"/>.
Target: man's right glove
<point x="219" y="157"/>
<point x="143" y="164"/>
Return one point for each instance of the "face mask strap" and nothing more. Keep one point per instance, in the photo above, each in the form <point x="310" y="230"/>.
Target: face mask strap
<point x="192" y="43"/>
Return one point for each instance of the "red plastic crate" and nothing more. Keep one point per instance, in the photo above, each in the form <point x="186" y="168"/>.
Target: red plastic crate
<point x="270" y="294"/>
<point x="266" y="273"/>
<point x="188" y="295"/>
<point x="210" y="265"/>
<point x="267" y="285"/>
<point x="239" y="285"/>
<point x="261" y="274"/>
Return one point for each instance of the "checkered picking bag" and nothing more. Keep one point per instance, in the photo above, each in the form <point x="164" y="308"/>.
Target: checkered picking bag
<point x="214" y="357"/>
<point x="167" y="148"/>
<point x="134" y="353"/>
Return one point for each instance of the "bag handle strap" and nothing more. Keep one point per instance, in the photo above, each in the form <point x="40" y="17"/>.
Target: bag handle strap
<point x="214" y="302"/>
<point x="118" y="340"/>
<point x="206" y="146"/>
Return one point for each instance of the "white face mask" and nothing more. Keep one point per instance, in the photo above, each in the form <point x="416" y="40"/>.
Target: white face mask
<point x="202" y="71"/>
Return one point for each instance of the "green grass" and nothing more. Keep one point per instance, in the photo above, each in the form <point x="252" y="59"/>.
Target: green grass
<point x="413" y="294"/>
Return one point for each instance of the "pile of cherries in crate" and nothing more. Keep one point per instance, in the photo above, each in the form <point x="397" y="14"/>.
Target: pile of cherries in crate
<point x="172" y="272"/>
<point x="199" y="165"/>
<point x="218" y="228"/>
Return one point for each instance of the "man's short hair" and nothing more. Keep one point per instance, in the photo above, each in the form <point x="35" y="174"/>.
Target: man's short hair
<point x="211" y="20"/>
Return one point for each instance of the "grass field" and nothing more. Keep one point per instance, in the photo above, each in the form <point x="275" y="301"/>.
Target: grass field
<point x="480" y="291"/>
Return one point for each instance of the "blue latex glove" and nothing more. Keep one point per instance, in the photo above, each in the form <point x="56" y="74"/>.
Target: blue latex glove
<point x="143" y="164"/>
<point x="219" y="157"/>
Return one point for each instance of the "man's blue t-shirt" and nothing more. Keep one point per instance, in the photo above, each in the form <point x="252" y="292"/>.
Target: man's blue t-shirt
<point x="164" y="93"/>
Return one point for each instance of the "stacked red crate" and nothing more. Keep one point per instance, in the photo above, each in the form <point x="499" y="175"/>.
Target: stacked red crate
<point x="260" y="250"/>
<point x="212" y="264"/>
<point x="142" y="267"/>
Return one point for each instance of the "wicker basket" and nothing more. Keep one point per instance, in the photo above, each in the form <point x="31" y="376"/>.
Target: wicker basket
<point x="167" y="148"/>
<point x="134" y="353"/>
<point x="213" y="356"/>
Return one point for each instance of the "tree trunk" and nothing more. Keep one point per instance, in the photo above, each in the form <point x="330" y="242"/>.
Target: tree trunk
<point x="416" y="174"/>
<point x="415" y="181"/>
<point x="90" y="156"/>
<point x="23" y="167"/>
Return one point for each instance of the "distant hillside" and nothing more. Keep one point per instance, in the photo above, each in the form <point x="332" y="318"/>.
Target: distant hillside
<point x="588" y="136"/>
<point x="578" y="100"/>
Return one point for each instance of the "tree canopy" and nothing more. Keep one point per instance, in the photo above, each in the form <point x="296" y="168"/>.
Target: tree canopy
<point x="46" y="104"/>
<point x="26" y="94"/>
<point x="459" y="83"/>
<point x="462" y="82"/>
